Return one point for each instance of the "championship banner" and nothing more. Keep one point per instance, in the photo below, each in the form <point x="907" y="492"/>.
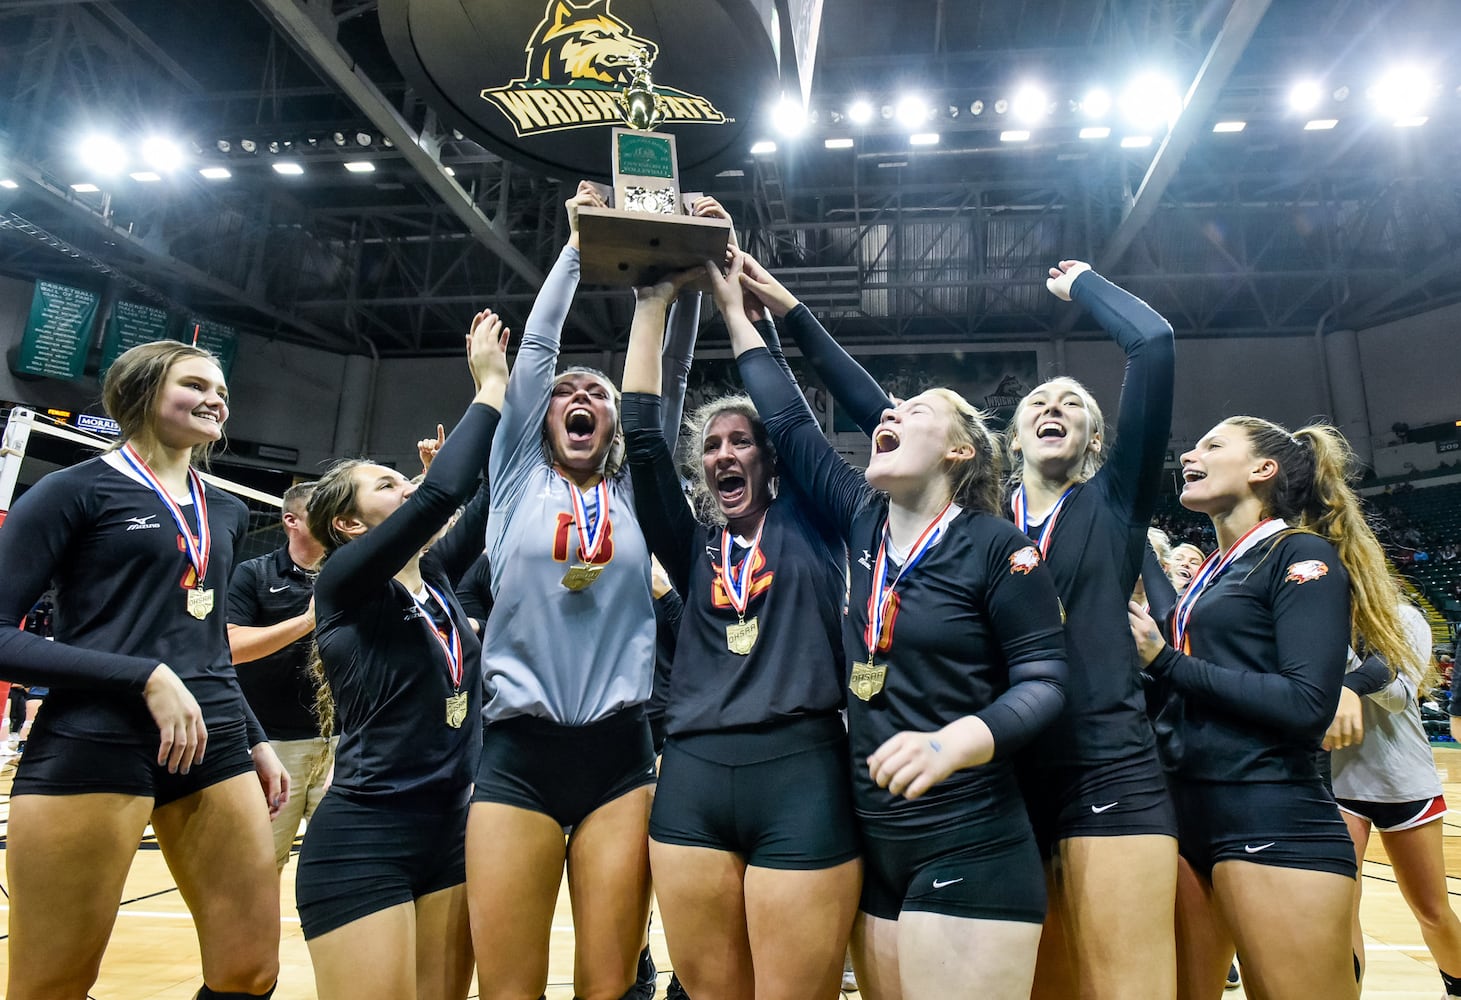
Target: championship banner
<point x="218" y="338"/>
<point x="130" y="324"/>
<point x="540" y="81"/>
<point x="57" y="332"/>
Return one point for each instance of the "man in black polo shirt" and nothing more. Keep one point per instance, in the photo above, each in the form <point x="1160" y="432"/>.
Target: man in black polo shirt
<point x="271" y="624"/>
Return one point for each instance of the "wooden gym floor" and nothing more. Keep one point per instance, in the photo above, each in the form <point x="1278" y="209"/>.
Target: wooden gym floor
<point x="153" y="952"/>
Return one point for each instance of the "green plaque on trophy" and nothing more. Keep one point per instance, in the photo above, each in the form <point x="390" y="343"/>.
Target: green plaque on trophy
<point x="647" y="233"/>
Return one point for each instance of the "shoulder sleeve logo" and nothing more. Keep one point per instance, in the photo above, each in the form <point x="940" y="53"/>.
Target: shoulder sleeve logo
<point x="1307" y="570"/>
<point x="1024" y="560"/>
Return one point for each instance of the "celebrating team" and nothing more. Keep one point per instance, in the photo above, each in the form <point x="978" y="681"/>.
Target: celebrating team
<point x="906" y="705"/>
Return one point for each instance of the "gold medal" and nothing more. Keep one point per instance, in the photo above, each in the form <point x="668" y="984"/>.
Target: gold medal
<point x="740" y="637"/>
<point x="580" y="577"/>
<point x="200" y="603"/>
<point x="867" y="679"/>
<point x="456" y="709"/>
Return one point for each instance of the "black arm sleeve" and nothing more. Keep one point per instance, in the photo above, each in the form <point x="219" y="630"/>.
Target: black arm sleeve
<point x="1133" y="471"/>
<point x="1311" y="632"/>
<point x="1370" y="676"/>
<point x="851" y="386"/>
<point x="766" y="327"/>
<point x="1161" y="596"/>
<point x="34" y="541"/>
<point x="358" y="569"/>
<point x="668" y="610"/>
<point x="836" y="490"/>
<point x="1024" y="613"/>
<point x="457" y="550"/>
<point x="659" y="503"/>
<point x="474" y="589"/>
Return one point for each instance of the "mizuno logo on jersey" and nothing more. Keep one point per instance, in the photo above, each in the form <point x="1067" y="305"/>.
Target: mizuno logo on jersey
<point x="142" y="523"/>
<point x="1024" y="560"/>
<point x="866" y="562"/>
<point x="1306" y="571"/>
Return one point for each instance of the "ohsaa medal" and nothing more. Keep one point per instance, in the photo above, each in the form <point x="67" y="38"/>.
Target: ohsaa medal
<point x="456" y="709"/>
<point x="450" y="642"/>
<point x="581" y="576"/>
<point x="200" y="603"/>
<point x="593" y="529"/>
<point x="740" y="637"/>
<point x="867" y="679"/>
<point x="198" y="547"/>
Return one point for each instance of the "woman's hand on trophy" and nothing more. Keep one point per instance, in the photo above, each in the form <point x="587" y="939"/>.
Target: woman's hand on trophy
<point x="708" y="208"/>
<point x="766" y="289"/>
<point x="665" y="290"/>
<point x="587" y="196"/>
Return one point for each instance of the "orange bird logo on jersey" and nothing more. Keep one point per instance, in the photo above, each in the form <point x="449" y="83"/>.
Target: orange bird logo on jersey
<point x="1304" y="572"/>
<point x="759" y="582"/>
<point x="1024" y="560"/>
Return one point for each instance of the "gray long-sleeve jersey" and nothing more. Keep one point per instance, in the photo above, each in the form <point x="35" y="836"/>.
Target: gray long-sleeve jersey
<point x="571" y="657"/>
<point x="1394" y="762"/>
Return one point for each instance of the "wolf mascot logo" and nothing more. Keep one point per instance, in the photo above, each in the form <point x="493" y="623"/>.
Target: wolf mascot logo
<point x="578" y="58"/>
<point x="584" y="43"/>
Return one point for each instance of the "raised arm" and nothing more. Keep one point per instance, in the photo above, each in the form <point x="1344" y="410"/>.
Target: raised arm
<point x="356" y="570"/>
<point x="851" y="386"/>
<point x="659" y="504"/>
<point x="1133" y="470"/>
<point x="518" y="445"/>
<point x="835" y="489"/>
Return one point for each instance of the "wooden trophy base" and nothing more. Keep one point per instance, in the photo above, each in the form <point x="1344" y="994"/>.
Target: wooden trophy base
<point x="639" y="248"/>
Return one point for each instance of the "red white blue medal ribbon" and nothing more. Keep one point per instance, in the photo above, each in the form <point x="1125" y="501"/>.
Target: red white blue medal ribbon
<point x="591" y="534"/>
<point x="450" y="642"/>
<point x="1018" y="507"/>
<point x="880" y="596"/>
<point x="737" y="585"/>
<point x="198" y="547"/>
<point x="1214" y="567"/>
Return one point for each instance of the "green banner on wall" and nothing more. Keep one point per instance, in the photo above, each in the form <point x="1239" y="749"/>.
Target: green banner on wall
<point x="130" y="324"/>
<point x="219" y="338"/>
<point x="57" y="332"/>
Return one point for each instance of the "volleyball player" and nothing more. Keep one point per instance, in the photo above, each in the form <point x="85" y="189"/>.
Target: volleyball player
<point x="1093" y="785"/>
<point x="140" y="550"/>
<point x="954" y="641"/>
<point x="1385" y="778"/>
<point x="568" y="657"/>
<point x="1253" y="677"/>
<point x="752" y="814"/>
<point x="381" y="884"/>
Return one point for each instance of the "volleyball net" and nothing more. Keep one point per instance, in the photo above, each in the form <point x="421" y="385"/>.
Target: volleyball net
<point x="27" y="427"/>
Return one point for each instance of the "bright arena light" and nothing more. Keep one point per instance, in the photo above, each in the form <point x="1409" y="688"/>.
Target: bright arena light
<point x="1014" y="135"/>
<point x="362" y="167"/>
<point x="1030" y="104"/>
<point x="763" y="148"/>
<point x="1096" y="103"/>
<point x="1403" y="92"/>
<point x="85" y="188"/>
<point x="789" y="118"/>
<point x="103" y="154"/>
<point x="912" y="111"/>
<point x="216" y="173"/>
<point x="162" y="155"/>
<point x="860" y="112"/>
<point x="1095" y="132"/>
<point x="839" y="143"/>
<point x="1305" y="95"/>
<point x="1230" y="126"/>
<point x="1151" y="100"/>
<point x="923" y="139"/>
<point x="288" y="167"/>
<point x="1320" y="124"/>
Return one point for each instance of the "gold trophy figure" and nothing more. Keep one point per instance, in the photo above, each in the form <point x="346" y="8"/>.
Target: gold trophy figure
<point x="648" y="233"/>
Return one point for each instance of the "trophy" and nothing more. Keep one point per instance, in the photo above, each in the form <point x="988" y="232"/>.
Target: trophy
<point x="648" y="233"/>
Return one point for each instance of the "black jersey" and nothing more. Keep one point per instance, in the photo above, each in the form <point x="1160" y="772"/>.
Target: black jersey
<point x="475" y="589"/>
<point x="1268" y="642"/>
<point x="794" y="596"/>
<point x="1095" y="548"/>
<point x="386" y="669"/>
<point x="122" y="579"/>
<point x="265" y="591"/>
<point x="974" y="629"/>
